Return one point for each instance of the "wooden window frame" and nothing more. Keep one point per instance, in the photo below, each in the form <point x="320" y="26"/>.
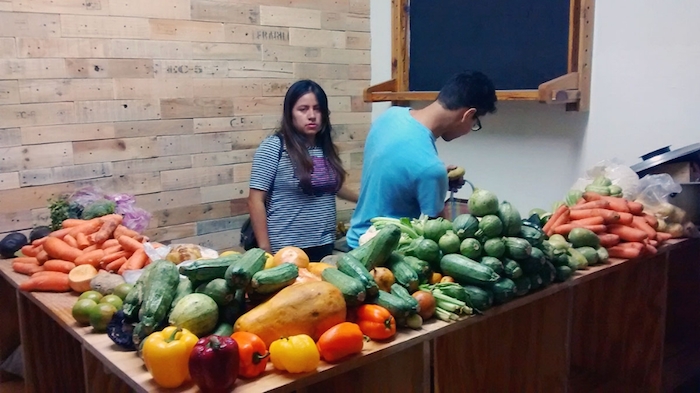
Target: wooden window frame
<point x="572" y="89"/>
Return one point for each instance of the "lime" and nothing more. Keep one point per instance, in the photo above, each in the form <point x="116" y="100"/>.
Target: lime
<point x="114" y="300"/>
<point x="122" y="290"/>
<point x="94" y="295"/>
<point x="100" y="315"/>
<point x="81" y="310"/>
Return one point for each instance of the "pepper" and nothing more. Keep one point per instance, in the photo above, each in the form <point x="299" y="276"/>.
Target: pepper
<point x="166" y="355"/>
<point x="376" y="321"/>
<point x="214" y="364"/>
<point x="252" y="354"/>
<point x="295" y="354"/>
<point x="340" y="341"/>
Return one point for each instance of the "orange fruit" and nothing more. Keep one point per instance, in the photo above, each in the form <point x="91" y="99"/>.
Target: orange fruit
<point x="293" y="255"/>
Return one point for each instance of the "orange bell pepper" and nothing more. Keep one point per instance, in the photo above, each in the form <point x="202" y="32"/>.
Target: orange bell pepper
<point x="340" y="341"/>
<point x="376" y="322"/>
<point x="252" y="354"/>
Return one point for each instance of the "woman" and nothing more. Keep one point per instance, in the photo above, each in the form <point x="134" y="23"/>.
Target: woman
<point x="296" y="176"/>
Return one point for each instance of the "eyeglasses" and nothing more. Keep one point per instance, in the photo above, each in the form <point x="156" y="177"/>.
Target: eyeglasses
<point x="476" y="126"/>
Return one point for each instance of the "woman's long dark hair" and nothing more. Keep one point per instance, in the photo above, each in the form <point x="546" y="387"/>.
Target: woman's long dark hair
<point x="296" y="142"/>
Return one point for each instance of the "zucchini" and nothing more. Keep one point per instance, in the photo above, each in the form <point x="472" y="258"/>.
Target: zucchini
<point x="230" y="313"/>
<point x="158" y="294"/>
<point x="547" y="274"/>
<point x="536" y="281"/>
<point x="404" y="275"/>
<point x="133" y="300"/>
<point x="466" y="271"/>
<point x="240" y="272"/>
<point x="481" y="299"/>
<point x="224" y="329"/>
<point x="517" y="248"/>
<point x="352" y="289"/>
<point x="218" y="290"/>
<point x="494" y="263"/>
<point x="398" y="307"/>
<point x="398" y="290"/>
<point x="377" y="250"/>
<point x="589" y="253"/>
<point x="273" y="279"/>
<point x="183" y="289"/>
<point x="453" y="290"/>
<point x="354" y="268"/>
<point x="511" y="269"/>
<point x="421" y="267"/>
<point x="522" y="286"/>
<point x="563" y="273"/>
<point x="208" y="269"/>
<point x="504" y="290"/>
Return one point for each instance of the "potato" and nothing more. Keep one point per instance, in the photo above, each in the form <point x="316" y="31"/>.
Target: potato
<point x="105" y="283"/>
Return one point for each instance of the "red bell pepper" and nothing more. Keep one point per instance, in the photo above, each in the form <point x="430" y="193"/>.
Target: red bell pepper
<point x="214" y="364"/>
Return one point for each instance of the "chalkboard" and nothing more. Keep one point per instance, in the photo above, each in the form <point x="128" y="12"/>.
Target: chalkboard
<point x="519" y="44"/>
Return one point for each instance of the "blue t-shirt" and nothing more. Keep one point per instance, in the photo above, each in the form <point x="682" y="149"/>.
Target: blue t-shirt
<point x="295" y="218"/>
<point x="402" y="175"/>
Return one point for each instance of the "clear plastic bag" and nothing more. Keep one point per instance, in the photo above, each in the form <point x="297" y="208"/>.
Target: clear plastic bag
<point x="654" y="193"/>
<point x="621" y="175"/>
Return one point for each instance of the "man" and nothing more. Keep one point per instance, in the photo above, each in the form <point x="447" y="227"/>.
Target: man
<point x="402" y="175"/>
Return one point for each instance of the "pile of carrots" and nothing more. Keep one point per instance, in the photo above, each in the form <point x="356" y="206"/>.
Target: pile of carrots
<point x="102" y="242"/>
<point x="623" y="227"/>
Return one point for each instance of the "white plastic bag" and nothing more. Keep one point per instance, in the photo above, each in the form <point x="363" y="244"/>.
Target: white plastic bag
<point x="621" y="175"/>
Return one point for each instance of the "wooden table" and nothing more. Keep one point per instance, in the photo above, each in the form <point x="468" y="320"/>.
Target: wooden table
<point x="604" y="330"/>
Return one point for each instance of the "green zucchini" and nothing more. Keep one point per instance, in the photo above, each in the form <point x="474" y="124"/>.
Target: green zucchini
<point x="400" y="291"/>
<point x="405" y="275"/>
<point x="208" y="269"/>
<point x="377" y="250"/>
<point x="511" y="269"/>
<point x="563" y="273"/>
<point x="504" y="290"/>
<point x="522" y="286"/>
<point x="230" y="313"/>
<point x="517" y="248"/>
<point x="547" y="274"/>
<point x="158" y="294"/>
<point x="184" y="288"/>
<point x="273" y="279"/>
<point x="536" y="281"/>
<point x="354" y="268"/>
<point x="240" y="272"/>
<point x="421" y="267"/>
<point x="352" y="289"/>
<point x="481" y="299"/>
<point x="224" y="329"/>
<point x="494" y="263"/>
<point x="467" y="271"/>
<point x="218" y="290"/>
<point x="398" y="307"/>
<point x="133" y="300"/>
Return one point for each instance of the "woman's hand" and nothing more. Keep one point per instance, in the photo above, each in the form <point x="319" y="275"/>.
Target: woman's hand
<point x="348" y="194"/>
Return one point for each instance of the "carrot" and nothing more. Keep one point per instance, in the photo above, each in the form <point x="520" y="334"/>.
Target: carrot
<point x="30" y="250"/>
<point x="112" y="217"/>
<point x="72" y="222"/>
<point x="622" y="252"/>
<point x="649" y="249"/>
<point x="57" y="282"/>
<point x="60" y="233"/>
<point x="130" y="244"/>
<point x="70" y="240"/>
<point x="26" y="268"/>
<point x="42" y="257"/>
<point x="136" y="261"/>
<point x="58" y="249"/>
<point x="110" y="243"/>
<point x="597" y="204"/>
<point x="653" y="242"/>
<point x="89" y="227"/>
<point x="595" y="220"/>
<point x="617" y="204"/>
<point x="39" y="241"/>
<point x="116" y="265"/>
<point x="564" y="229"/>
<point x="640" y="223"/>
<point x="124" y="231"/>
<point x="104" y="233"/>
<point x="580" y="201"/>
<point x="591" y="196"/>
<point x="651" y="219"/>
<point x="112" y="250"/>
<point x="628" y="233"/>
<point x="31" y="260"/>
<point x="92" y="247"/>
<point x="609" y="216"/>
<point x="636" y="208"/>
<point x="114" y="256"/>
<point x="625" y="218"/>
<point x="608" y="239"/>
<point x="57" y="265"/>
<point x="82" y="241"/>
<point x="43" y="273"/>
<point x="635" y="245"/>
<point x="92" y="258"/>
<point x="663" y="236"/>
<point x="555" y="216"/>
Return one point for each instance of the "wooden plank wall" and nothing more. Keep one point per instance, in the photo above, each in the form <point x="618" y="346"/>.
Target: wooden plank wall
<point x="166" y="100"/>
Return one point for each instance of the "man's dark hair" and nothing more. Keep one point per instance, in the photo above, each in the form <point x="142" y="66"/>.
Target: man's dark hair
<point x="469" y="90"/>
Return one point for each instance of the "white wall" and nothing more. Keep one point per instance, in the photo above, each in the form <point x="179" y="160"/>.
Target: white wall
<point x="645" y="91"/>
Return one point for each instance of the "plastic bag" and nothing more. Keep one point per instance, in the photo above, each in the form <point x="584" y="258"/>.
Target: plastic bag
<point x="135" y="218"/>
<point x="621" y="175"/>
<point x="654" y="193"/>
<point x="162" y="252"/>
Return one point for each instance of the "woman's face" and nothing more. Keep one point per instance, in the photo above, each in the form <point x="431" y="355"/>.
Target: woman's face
<point x="306" y="114"/>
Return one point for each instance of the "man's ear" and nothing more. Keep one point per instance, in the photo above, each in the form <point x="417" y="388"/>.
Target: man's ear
<point x="468" y="114"/>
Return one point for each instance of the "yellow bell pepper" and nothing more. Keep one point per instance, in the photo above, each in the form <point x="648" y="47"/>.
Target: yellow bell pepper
<point x="167" y="354"/>
<point x="295" y="354"/>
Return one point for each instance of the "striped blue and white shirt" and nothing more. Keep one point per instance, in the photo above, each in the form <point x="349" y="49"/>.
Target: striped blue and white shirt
<point x="293" y="217"/>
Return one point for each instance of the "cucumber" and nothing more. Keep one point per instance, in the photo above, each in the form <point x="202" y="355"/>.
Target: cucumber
<point x="481" y="299"/>
<point x="352" y="289"/>
<point x="354" y="268"/>
<point x="398" y="307"/>
<point x="504" y="290"/>
<point x="224" y="329"/>
<point x="398" y="290"/>
<point x="158" y="294"/>
<point x="466" y="271"/>
<point x="240" y="272"/>
<point x="208" y="269"/>
<point x="404" y="275"/>
<point x="218" y="290"/>
<point x="511" y="269"/>
<point x="183" y="289"/>
<point x="273" y="279"/>
<point x="377" y="250"/>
